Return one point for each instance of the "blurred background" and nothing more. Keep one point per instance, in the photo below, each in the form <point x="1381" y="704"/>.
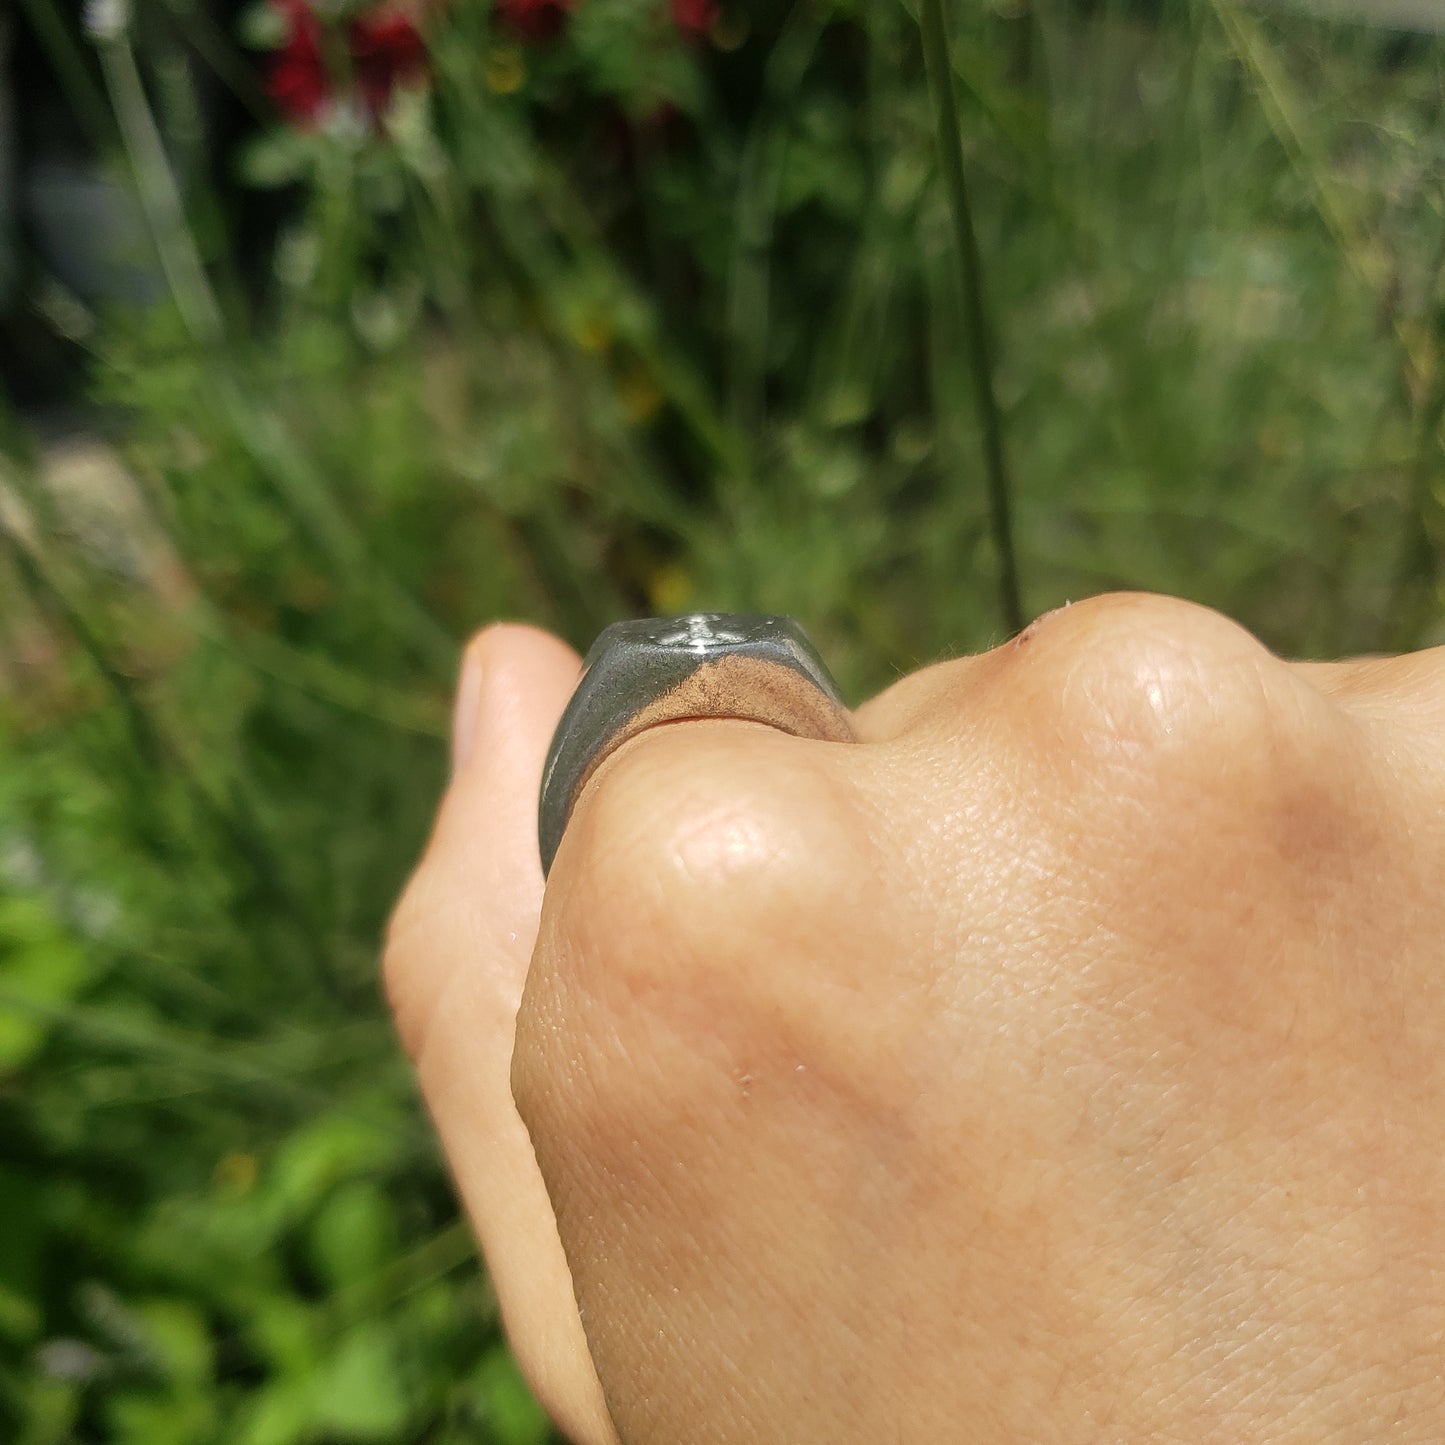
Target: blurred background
<point x="331" y="330"/>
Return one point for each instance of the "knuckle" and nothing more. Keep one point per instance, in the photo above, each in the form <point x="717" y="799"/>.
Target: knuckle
<point x="695" y="839"/>
<point x="1153" y="697"/>
<point x="699" y="860"/>
<point x="1179" y="774"/>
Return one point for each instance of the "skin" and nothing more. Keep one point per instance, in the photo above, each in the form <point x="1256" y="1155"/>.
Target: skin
<point x="1061" y="1062"/>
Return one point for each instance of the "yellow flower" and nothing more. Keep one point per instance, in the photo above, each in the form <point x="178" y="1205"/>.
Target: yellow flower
<point x="235" y="1173"/>
<point x="590" y="332"/>
<point x="669" y="589"/>
<point x="641" y="400"/>
<point x="729" y="31"/>
<point x="504" y="70"/>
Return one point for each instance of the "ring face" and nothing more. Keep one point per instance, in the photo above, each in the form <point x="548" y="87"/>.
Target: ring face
<point x="646" y="671"/>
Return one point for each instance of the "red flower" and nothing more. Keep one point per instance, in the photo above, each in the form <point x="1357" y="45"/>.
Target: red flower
<point x="298" y="82"/>
<point x="385" y="51"/>
<point x="694" y="18"/>
<point x="534" y="19"/>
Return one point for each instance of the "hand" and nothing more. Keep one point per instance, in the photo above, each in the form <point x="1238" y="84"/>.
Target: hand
<point x="1061" y="1063"/>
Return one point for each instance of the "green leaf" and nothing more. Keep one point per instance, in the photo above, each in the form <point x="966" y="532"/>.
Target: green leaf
<point x="276" y="158"/>
<point x="281" y="1414"/>
<point x="507" y="1404"/>
<point x="180" y="1337"/>
<point x="316" y="1158"/>
<point x="41" y="970"/>
<point x="19" y="1316"/>
<point x="261" y="26"/>
<point x="359" y="1394"/>
<point x="285" y="1331"/>
<point x="23" y="1198"/>
<point x="152" y="1419"/>
<point x="354" y="1234"/>
<point x="50" y="1409"/>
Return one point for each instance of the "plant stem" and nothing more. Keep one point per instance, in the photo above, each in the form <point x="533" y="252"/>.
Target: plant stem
<point x="159" y="195"/>
<point x="302" y="488"/>
<point x="754" y="213"/>
<point x="1415" y="592"/>
<point x="228" y="807"/>
<point x="83" y="96"/>
<point x="979" y="342"/>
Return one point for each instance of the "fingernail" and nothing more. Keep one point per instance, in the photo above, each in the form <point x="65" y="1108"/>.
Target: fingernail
<point x="466" y="712"/>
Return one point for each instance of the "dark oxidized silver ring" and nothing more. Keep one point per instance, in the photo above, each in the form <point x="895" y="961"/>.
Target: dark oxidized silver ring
<point x="654" y="670"/>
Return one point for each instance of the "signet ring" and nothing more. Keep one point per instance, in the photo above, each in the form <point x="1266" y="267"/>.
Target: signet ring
<point x="647" y="671"/>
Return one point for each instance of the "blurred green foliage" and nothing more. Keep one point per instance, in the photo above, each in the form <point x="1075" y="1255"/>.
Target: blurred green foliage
<point x="622" y="321"/>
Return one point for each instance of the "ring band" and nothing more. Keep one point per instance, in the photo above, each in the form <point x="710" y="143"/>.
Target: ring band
<point x="647" y="671"/>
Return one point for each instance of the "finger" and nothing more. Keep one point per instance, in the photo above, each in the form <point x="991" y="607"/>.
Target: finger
<point x="940" y="693"/>
<point x="947" y="690"/>
<point x="914" y="700"/>
<point x="1400" y="701"/>
<point x="1412" y="684"/>
<point x="456" y="963"/>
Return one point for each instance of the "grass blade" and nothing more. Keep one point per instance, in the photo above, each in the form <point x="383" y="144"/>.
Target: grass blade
<point x="979" y="341"/>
